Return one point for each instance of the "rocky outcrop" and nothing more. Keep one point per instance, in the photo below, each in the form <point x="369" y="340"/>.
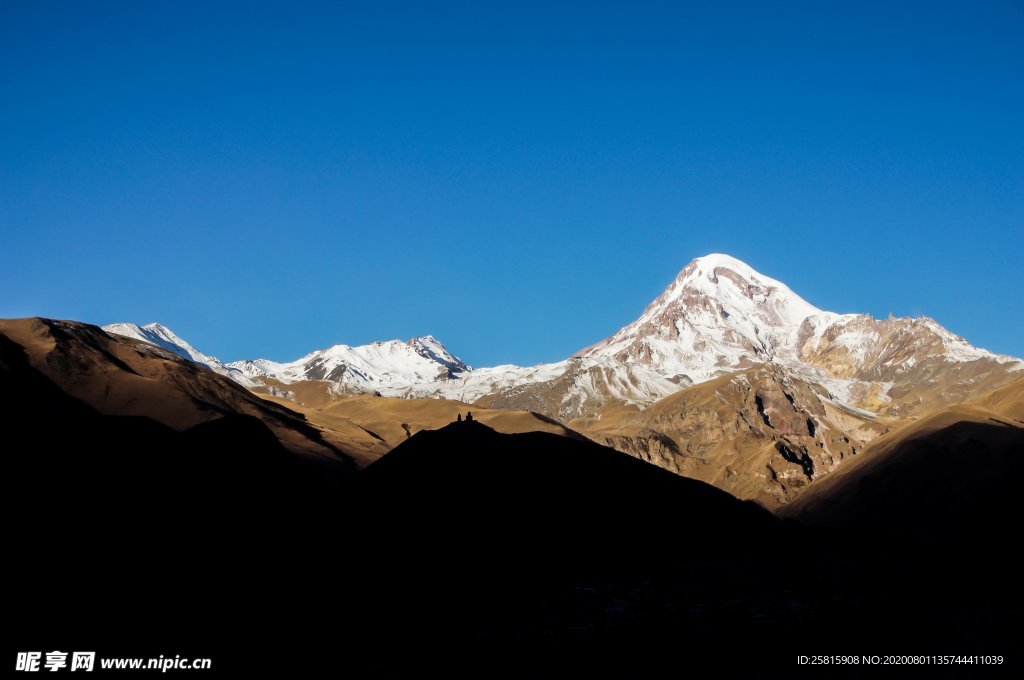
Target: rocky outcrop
<point x="759" y="434"/>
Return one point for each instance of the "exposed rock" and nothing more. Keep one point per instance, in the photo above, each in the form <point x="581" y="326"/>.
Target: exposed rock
<point x="759" y="434"/>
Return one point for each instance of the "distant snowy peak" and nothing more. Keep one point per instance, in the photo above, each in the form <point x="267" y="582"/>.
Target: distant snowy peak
<point x="720" y="315"/>
<point x="388" y="365"/>
<point x="162" y="336"/>
<point x="431" y="348"/>
<point x="740" y="290"/>
<point x="717" y="315"/>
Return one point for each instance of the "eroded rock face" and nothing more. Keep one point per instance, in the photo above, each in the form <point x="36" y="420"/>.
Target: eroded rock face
<point x="760" y="435"/>
<point x="778" y="410"/>
<point x="900" y="367"/>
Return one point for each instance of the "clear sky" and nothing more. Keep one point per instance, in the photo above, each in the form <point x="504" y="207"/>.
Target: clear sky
<point x="518" y="179"/>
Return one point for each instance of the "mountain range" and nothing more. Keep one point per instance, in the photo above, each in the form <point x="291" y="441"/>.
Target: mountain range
<point x="139" y="476"/>
<point x="865" y="469"/>
<point x="728" y="376"/>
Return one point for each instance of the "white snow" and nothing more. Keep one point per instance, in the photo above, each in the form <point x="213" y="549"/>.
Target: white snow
<point x="717" y="315"/>
<point x="391" y="366"/>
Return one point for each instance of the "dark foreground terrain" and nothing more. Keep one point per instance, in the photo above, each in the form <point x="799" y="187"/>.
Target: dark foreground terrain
<point x="471" y="553"/>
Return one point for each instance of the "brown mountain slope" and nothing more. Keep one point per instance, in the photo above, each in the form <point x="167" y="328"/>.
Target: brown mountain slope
<point x="952" y="472"/>
<point x="1005" y="402"/>
<point x="760" y="434"/>
<point x="394" y="420"/>
<point x="118" y="376"/>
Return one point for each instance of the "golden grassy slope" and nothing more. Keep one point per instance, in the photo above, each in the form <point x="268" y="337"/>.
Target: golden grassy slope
<point x="1005" y="402"/>
<point x="392" y="420"/>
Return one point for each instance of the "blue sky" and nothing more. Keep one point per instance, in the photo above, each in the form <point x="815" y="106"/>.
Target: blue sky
<point x="518" y="179"/>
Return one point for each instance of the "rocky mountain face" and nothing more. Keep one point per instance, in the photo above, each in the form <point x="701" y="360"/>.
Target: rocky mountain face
<point x="899" y="367"/>
<point x="728" y="376"/>
<point x="760" y="433"/>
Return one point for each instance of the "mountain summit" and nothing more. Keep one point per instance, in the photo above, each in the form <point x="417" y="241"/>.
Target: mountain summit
<point x="365" y="368"/>
<point x="719" y="314"/>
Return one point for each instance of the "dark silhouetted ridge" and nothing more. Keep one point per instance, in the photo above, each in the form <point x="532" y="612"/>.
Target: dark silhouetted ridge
<point x="546" y="488"/>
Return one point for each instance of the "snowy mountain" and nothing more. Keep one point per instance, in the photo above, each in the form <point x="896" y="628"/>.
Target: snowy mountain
<point x="423" y="368"/>
<point x="380" y="366"/>
<point x="162" y="336"/>
<point x="719" y="316"/>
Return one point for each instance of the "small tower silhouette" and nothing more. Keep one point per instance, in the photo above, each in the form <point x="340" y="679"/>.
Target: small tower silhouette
<point x="459" y="419"/>
<point x="469" y="416"/>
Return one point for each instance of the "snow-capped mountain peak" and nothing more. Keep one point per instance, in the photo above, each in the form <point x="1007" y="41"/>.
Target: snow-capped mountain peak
<point x="387" y="365"/>
<point x="741" y="290"/>
<point x="719" y="314"/>
<point x="162" y="336"/>
<point x="431" y="348"/>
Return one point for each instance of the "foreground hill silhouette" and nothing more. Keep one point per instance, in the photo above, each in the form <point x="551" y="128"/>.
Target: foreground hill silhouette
<point x="953" y="475"/>
<point x="133" y="538"/>
<point x="463" y="551"/>
<point x="610" y="565"/>
<point x="550" y="554"/>
<point x="547" y="487"/>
